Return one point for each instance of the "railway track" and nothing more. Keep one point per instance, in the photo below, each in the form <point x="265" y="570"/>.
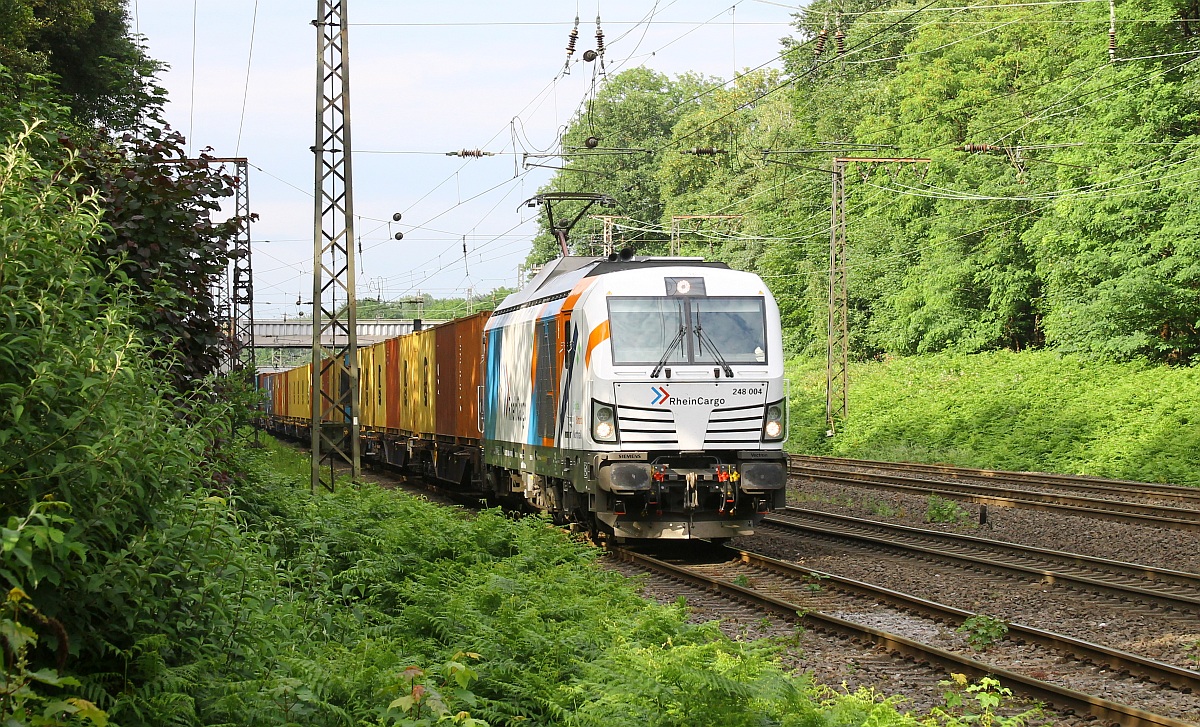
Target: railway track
<point x="1003" y="493"/>
<point x="1169" y="589"/>
<point x="857" y="610"/>
<point x="1184" y="496"/>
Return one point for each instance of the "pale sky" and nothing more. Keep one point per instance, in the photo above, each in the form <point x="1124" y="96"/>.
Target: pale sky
<point x="425" y="78"/>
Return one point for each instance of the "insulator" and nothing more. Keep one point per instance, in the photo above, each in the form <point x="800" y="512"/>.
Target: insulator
<point x="839" y="40"/>
<point x="1112" y="44"/>
<point x="821" y="37"/>
<point x="599" y="37"/>
<point x="705" y="151"/>
<point x="571" y="42"/>
<point x="979" y="147"/>
<point x="470" y="153"/>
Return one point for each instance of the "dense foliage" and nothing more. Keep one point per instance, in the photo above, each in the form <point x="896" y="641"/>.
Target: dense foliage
<point x="1035" y="410"/>
<point x="72" y="66"/>
<point x="1073" y="226"/>
<point x="102" y="73"/>
<point x="367" y="606"/>
<point x="161" y="236"/>
<point x="93" y="453"/>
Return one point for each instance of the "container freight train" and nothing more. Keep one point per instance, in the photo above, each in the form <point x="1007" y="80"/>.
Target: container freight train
<point x="642" y="397"/>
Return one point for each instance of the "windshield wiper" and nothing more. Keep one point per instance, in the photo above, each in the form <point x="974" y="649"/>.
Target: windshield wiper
<point x="667" y="353"/>
<point x="702" y="337"/>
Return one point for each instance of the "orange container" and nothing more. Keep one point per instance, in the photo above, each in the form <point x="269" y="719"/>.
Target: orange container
<point x="391" y="378"/>
<point x="459" y="374"/>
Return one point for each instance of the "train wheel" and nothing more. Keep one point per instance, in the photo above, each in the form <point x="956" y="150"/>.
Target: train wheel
<point x="593" y="529"/>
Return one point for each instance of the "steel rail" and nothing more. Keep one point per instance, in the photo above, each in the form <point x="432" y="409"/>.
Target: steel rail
<point x="1151" y="669"/>
<point x="922" y="653"/>
<point x="851" y="528"/>
<point x="1048" y="479"/>
<point x="999" y="496"/>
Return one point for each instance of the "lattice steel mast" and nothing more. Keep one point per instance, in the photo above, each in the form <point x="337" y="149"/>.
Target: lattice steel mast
<point x="220" y="288"/>
<point x="837" y="351"/>
<point x="335" y="405"/>
<point x="242" y="294"/>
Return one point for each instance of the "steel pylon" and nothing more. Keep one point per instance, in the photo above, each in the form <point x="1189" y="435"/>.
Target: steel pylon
<point x="335" y="405"/>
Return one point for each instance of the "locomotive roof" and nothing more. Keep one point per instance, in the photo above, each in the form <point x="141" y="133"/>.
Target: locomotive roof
<point x="558" y="277"/>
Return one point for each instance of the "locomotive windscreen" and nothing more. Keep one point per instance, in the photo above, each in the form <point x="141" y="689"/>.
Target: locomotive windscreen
<point x="642" y="329"/>
<point x="646" y="330"/>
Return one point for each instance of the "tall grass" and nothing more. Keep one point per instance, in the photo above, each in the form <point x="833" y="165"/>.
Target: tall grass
<point x="1034" y="410"/>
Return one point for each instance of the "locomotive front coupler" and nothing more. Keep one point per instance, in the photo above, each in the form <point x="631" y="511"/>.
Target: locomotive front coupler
<point x="633" y="472"/>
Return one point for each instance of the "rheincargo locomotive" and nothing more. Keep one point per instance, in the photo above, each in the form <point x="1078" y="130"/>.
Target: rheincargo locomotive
<point x="643" y="397"/>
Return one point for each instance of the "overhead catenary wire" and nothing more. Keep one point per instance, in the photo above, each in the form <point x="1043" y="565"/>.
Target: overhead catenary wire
<point x="515" y="151"/>
<point x="511" y="126"/>
<point x="237" y="147"/>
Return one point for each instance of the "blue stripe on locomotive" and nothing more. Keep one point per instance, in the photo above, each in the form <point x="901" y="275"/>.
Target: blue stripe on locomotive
<point x="491" y="383"/>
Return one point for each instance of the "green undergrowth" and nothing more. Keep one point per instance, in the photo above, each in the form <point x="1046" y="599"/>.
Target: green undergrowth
<point x="1038" y="411"/>
<point x="370" y="606"/>
<point x="367" y="606"/>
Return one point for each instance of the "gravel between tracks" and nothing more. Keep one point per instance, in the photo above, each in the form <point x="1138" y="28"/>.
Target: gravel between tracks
<point x="1163" y="548"/>
<point x="1169" y="636"/>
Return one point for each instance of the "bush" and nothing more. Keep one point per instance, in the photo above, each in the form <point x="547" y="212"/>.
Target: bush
<point x="94" y="458"/>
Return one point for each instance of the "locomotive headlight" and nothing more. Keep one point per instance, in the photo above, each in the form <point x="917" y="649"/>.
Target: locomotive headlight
<point x="604" y="422"/>
<point x="773" y="422"/>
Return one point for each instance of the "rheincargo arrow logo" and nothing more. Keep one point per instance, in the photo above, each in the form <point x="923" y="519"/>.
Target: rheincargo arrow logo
<point x="660" y="395"/>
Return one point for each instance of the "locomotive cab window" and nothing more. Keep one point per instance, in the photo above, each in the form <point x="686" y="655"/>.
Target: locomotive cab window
<point x="643" y="329"/>
<point x="682" y="330"/>
<point x="735" y="327"/>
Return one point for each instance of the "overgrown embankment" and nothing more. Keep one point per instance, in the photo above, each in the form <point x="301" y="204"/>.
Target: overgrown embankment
<point x="1036" y="410"/>
<point x="369" y="606"/>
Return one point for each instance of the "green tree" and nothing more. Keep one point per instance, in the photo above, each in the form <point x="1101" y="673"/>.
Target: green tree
<point x="102" y="72"/>
<point x="87" y="422"/>
<point x="631" y="118"/>
<point x="161" y="232"/>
